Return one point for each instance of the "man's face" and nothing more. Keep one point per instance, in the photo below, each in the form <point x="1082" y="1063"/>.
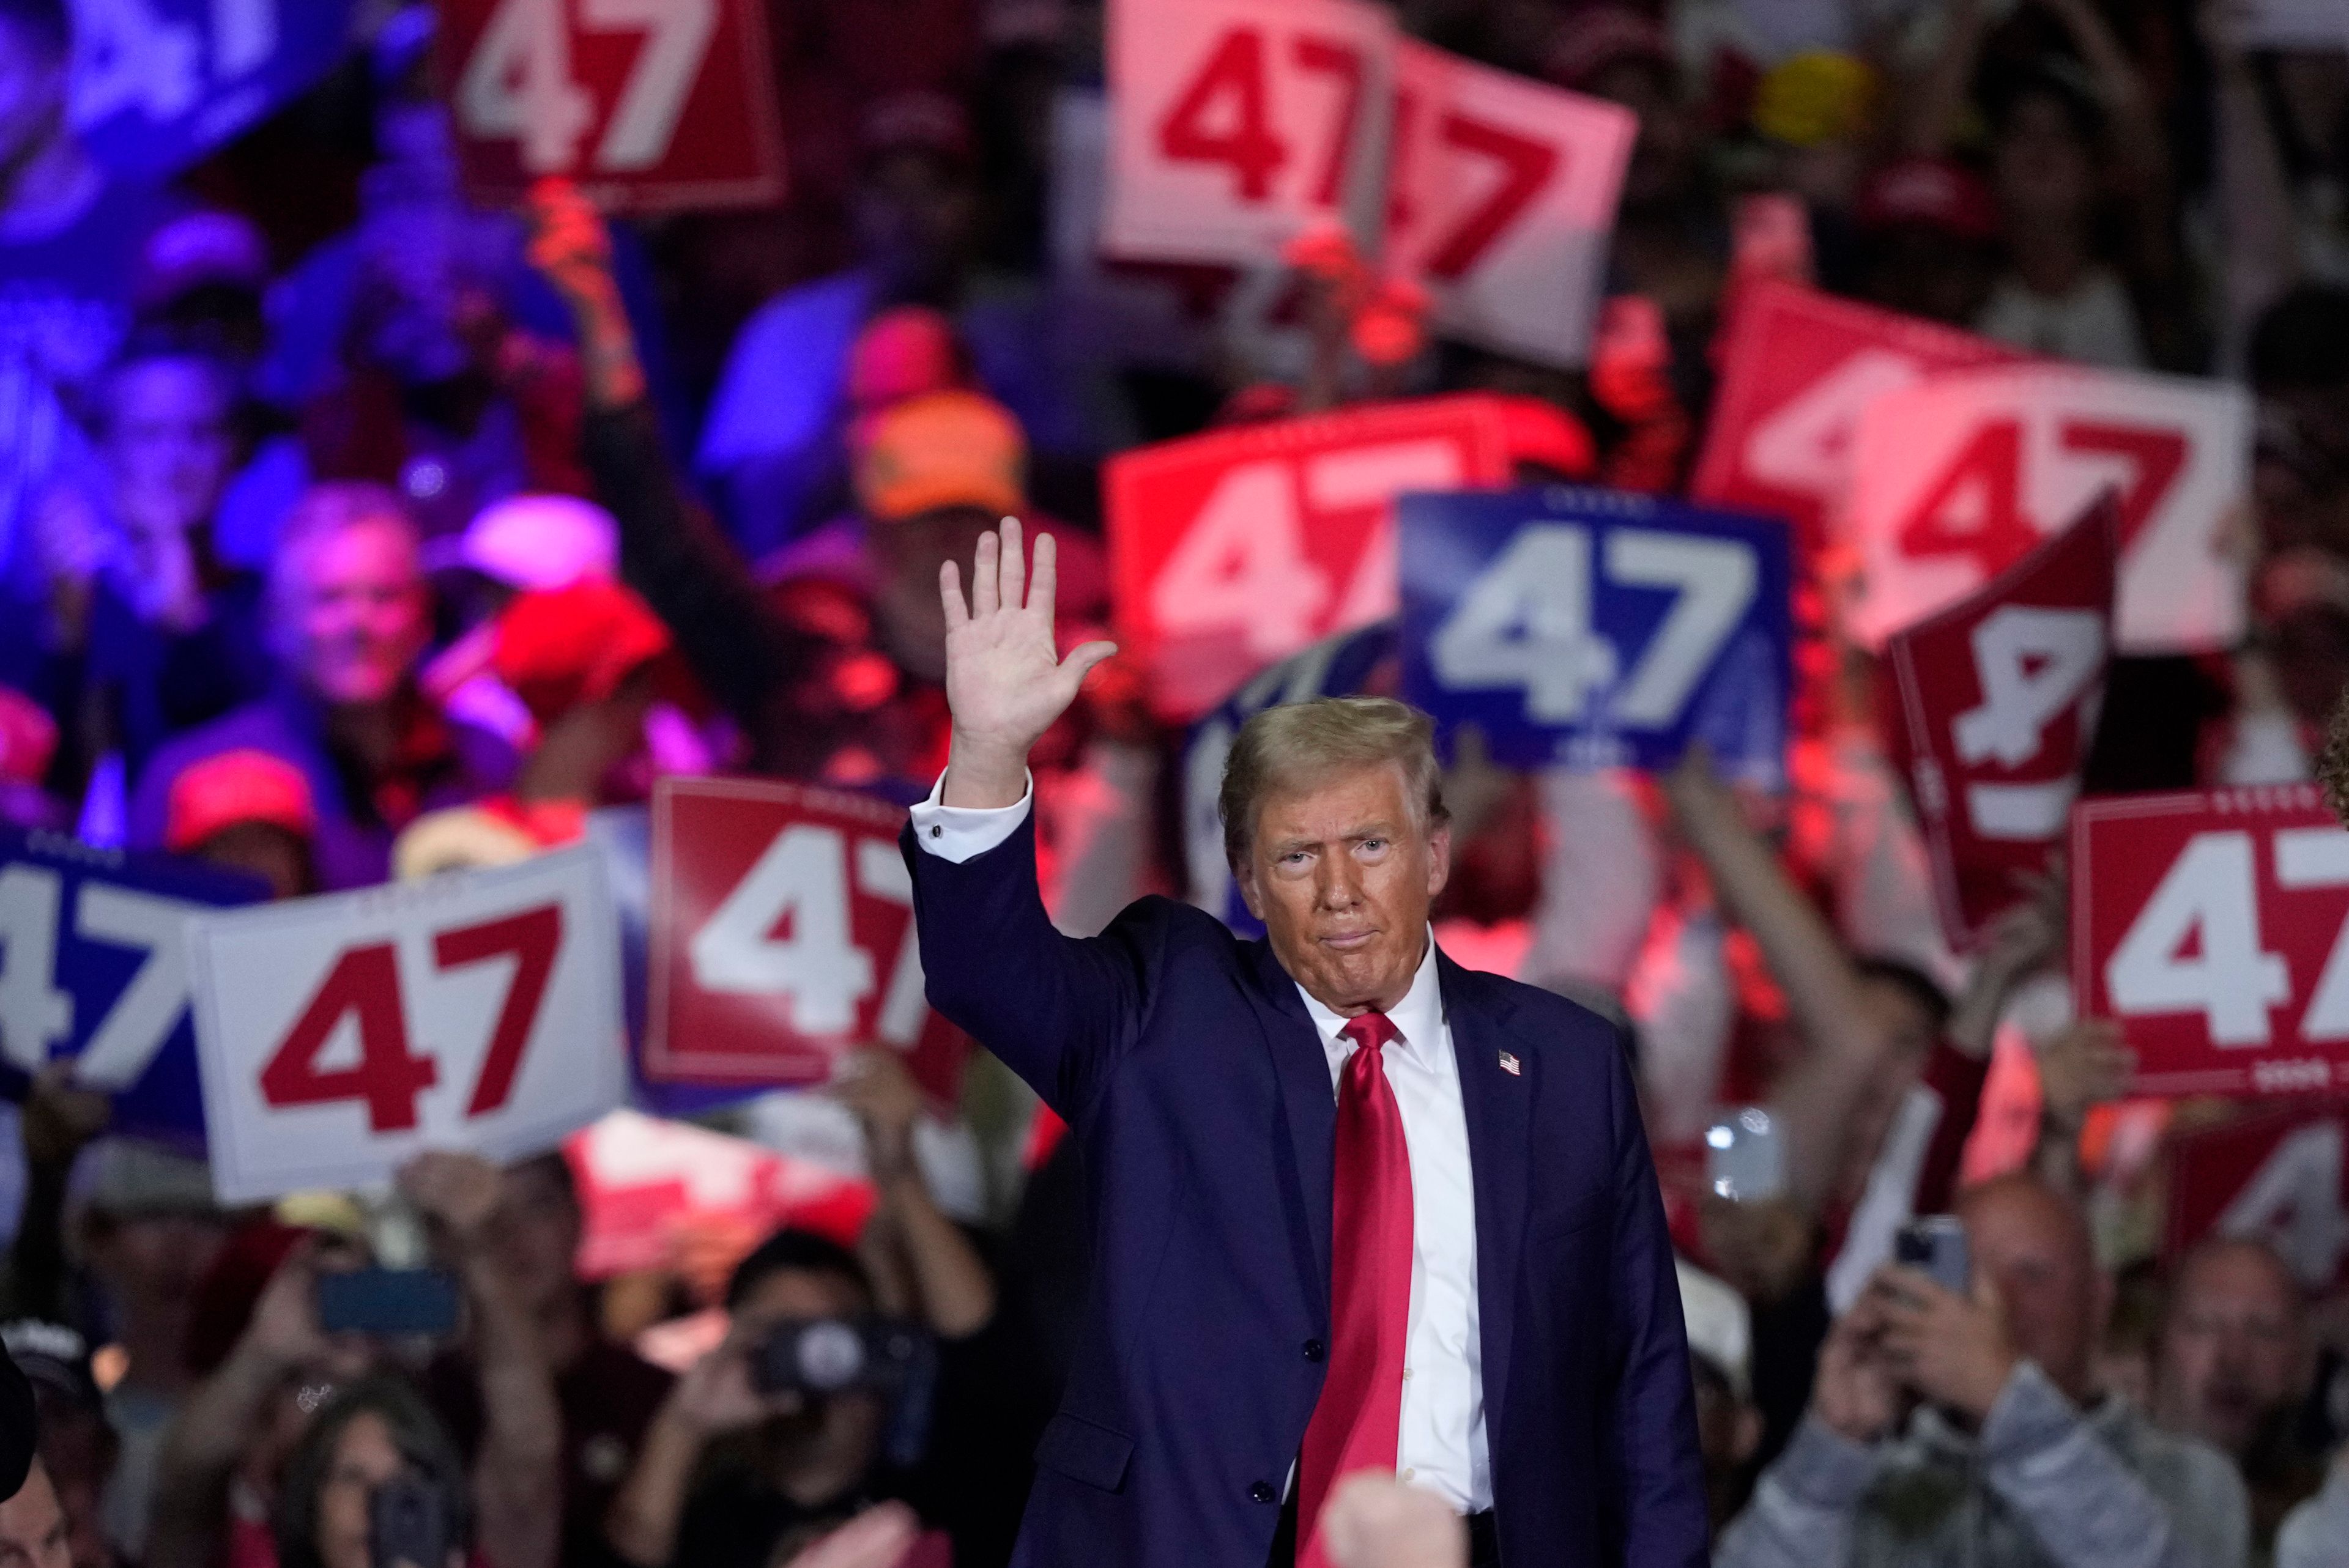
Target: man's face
<point x="914" y="214"/>
<point x="2044" y="174"/>
<point x="838" y="1438"/>
<point x="168" y="441"/>
<point x="358" y="612"/>
<point x="33" y="1533"/>
<point x="1342" y="876"/>
<point x="2234" y="1350"/>
<point x="2037" y="1257"/>
<point x="32" y="92"/>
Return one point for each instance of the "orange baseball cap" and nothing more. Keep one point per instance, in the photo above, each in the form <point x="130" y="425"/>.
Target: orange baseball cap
<point x="944" y="448"/>
<point x="232" y="787"/>
<point x="564" y="646"/>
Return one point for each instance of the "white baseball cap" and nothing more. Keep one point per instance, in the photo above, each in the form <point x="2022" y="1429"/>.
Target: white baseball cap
<point x="541" y="542"/>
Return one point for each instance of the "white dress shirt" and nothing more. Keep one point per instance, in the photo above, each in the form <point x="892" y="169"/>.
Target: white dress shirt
<point x="1443" y="1444"/>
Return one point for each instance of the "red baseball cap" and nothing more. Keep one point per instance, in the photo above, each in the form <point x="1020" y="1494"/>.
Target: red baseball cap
<point x="230" y="788"/>
<point x="564" y="646"/>
<point x="28" y="738"/>
<point x="1931" y="192"/>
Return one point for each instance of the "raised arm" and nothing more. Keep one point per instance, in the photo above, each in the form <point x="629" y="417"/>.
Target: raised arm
<point x="1052" y="1007"/>
<point x="1843" y="1034"/>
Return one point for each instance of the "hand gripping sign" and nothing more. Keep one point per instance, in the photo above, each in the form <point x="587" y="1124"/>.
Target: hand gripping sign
<point x="1996" y="708"/>
<point x="782" y="938"/>
<point x="1238" y="124"/>
<point x="1956" y="479"/>
<point x="1801" y="367"/>
<point x="94" y="967"/>
<point x="2282" y="1176"/>
<point x="338" y="1036"/>
<point x="2214" y="927"/>
<point x="1599" y="629"/>
<point x="1231" y="551"/>
<point x="649" y="105"/>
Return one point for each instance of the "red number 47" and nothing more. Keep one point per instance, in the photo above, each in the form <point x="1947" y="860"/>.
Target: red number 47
<point x="364" y="986"/>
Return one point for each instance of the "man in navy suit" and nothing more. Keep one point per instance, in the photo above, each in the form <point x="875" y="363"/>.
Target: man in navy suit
<point x="1353" y="1206"/>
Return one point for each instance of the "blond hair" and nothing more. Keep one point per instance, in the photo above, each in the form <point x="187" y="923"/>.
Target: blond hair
<point x="1299" y="744"/>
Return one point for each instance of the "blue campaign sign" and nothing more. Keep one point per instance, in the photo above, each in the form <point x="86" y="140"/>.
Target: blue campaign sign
<point x="1341" y="665"/>
<point x="92" y="966"/>
<point x="157" y="84"/>
<point x="1599" y="629"/>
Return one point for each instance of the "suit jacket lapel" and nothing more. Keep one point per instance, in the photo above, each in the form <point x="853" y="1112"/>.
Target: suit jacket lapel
<point x="1499" y="1108"/>
<point x="1310" y="1108"/>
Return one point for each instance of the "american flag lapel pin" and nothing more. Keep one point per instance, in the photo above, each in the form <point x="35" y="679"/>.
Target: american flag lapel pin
<point x="1509" y="1065"/>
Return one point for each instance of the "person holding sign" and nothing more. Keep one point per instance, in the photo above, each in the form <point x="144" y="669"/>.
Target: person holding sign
<point x="1355" y="1208"/>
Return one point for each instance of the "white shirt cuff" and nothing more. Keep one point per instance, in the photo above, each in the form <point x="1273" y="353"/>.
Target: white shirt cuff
<point x="958" y="833"/>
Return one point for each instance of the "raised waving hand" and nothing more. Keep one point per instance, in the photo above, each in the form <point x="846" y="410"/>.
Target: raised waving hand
<point x="1006" y="681"/>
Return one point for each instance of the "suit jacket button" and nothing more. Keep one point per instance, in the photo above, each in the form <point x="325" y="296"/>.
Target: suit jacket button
<point x="1261" y="1492"/>
<point x="1315" y="1350"/>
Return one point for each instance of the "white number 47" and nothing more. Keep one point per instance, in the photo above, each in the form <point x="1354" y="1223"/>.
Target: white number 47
<point x="1526" y="622"/>
<point x="518" y="85"/>
<point x="35" y="1014"/>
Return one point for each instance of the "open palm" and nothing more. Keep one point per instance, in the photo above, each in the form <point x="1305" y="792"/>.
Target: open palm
<point x="1006" y="681"/>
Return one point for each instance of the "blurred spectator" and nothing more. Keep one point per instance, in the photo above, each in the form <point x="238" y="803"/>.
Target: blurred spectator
<point x="2300" y="368"/>
<point x="921" y="1265"/>
<point x="249" y="812"/>
<point x="2009" y="1461"/>
<point x="2234" y="1369"/>
<point x="372" y="1435"/>
<point x="69" y="250"/>
<point x="78" y="1447"/>
<point x="157" y="633"/>
<point x="348" y="613"/>
<point x="244" y="1447"/>
<point x="587" y="661"/>
<point x="28" y="743"/>
<point x="1927" y="232"/>
<point x="1721" y="1354"/>
<point x="802" y="1461"/>
<point x="607" y="1394"/>
<point x="2317" y="1534"/>
<point x="34" y="1530"/>
<point x="773" y="443"/>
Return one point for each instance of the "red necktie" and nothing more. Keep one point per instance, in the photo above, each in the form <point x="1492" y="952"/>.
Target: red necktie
<point x="1359" y="1420"/>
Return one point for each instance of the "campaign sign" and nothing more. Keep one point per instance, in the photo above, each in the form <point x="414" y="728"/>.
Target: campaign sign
<point x="651" y="106"/>
<point x="1799" y="369"/>
<point x="1958" y="477"/>
<point x="782" y="938"/>
<point x="1502" y="203"/>
<point x="1231" y="551"/>
<point x="1599" y="629"/>
<point x="339" y="1035"/>
<point x="2282" y="1176"/>
<point x="1237" y="123"/>
<point x="2214" y="927"/>
<point x="94" y="967"/>
<point x="158" y="84"/>
<point x="1344" y="666"/>
<point x="1997" y="700"/>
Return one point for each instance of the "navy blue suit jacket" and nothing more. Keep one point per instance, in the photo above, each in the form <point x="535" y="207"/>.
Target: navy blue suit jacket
<point x="1185" y="1061"/>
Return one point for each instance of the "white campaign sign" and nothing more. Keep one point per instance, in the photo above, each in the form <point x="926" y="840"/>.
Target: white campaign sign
<point x="1236" y="123"/>
<point x="1503" y="202"/>
<point x="1959" y="475"/>
<point x="338" y="1036"/>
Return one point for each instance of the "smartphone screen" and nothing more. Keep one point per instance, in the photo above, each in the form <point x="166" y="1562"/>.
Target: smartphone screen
<point x="1744" y="1157"/>
<point x="388" y="1302"/>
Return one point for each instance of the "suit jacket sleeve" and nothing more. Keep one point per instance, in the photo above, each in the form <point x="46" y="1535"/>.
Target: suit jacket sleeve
<point x="1661" y="1486"/>
<point x="1058" y="1010"/>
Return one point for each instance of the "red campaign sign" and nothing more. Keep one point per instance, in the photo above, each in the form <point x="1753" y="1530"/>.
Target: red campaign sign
<point x="646" y="1184"/>
<point x="652" y="106"/>
<point x="1800" y="367"/>
<point x="1997" y="708"/>
<point x="782" y="938"/>
<point x="1231" y="551"/>
<point x="2214" y="927"/>
<point x="2280" y="1176"/>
